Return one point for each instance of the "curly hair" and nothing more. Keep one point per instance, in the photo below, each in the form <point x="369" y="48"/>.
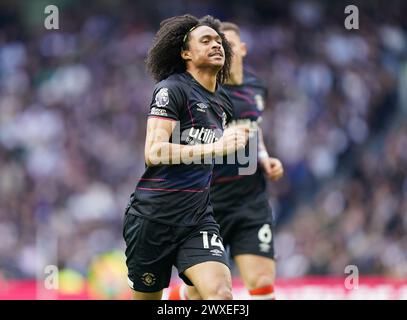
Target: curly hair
<point x="164" y="57"/>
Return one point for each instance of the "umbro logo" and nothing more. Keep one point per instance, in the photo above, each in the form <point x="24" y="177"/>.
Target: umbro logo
<point x="216" y="252"/>
<point x="201" y="107"/>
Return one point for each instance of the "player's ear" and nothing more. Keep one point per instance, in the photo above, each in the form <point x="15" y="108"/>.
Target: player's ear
<point x="243" y="49"/>
<point x="186" y="55"/>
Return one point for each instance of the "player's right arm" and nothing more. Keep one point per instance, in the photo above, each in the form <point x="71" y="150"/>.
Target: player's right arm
<point x="159" y="150"/>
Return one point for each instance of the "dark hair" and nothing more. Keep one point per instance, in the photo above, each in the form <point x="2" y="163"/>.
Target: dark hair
<point x="164" y="57"/>
<point x="230" y="26"/>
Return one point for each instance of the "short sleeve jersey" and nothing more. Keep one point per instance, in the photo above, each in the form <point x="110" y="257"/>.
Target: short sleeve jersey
<point x="178" y="194"/>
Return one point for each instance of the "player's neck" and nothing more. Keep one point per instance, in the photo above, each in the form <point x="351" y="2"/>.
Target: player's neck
<point x="236" y="77"/>
<point x="206" y="78"/>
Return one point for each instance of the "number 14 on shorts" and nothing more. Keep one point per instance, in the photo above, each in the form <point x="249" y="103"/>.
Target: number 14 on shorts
<point x="215" y="240"/>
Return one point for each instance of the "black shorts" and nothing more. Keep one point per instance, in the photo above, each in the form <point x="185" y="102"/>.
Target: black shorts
<point x="152" y="249"/>
<point x="247" y="229"/>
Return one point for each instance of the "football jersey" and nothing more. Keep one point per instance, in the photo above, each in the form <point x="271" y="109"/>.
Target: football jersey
<point x="229" y="189"/>
<point x="178" y="194"/>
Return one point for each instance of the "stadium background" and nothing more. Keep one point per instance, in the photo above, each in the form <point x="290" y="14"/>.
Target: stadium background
<point x="73" y="106"/>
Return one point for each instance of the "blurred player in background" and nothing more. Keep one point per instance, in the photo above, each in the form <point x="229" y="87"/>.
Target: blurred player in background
<point x="169" y="218"/>
<point x="240" y="202"/>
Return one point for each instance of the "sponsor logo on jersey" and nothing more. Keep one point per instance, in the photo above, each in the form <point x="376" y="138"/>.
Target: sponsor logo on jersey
<point x="202" y="135"/>
<point x="161" y="98"/>
<point x="158" y="112"/>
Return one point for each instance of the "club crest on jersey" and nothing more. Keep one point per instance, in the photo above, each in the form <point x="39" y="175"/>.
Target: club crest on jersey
<point x="201" y="107"/>
<point x="161" y="98"/>
<point x="259" y="102"/>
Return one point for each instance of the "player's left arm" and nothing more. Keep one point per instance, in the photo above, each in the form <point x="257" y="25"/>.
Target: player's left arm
<point x="272" y="166"/>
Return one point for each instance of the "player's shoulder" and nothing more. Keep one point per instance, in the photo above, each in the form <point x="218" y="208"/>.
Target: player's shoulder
<point x="175" y="82"/>
<point x="174" y="86"/>
<point x="252" y="80"/>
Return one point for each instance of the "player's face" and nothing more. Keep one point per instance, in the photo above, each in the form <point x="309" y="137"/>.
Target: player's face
<point x="205" y="48"/>
<point x="238" y="47"/>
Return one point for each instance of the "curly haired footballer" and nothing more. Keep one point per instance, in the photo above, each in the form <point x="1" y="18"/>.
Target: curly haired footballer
<point x="164" y="57"/>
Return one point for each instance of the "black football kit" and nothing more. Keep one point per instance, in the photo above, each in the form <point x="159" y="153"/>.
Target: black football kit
<point x="169" y="219"/>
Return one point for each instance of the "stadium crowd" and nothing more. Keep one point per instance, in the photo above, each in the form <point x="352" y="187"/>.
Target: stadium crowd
<point x="73" y="104"/>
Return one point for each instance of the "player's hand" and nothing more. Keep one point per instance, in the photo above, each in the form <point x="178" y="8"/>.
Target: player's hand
<point x="272" y="167"/>
<point x="233" y="139"/>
